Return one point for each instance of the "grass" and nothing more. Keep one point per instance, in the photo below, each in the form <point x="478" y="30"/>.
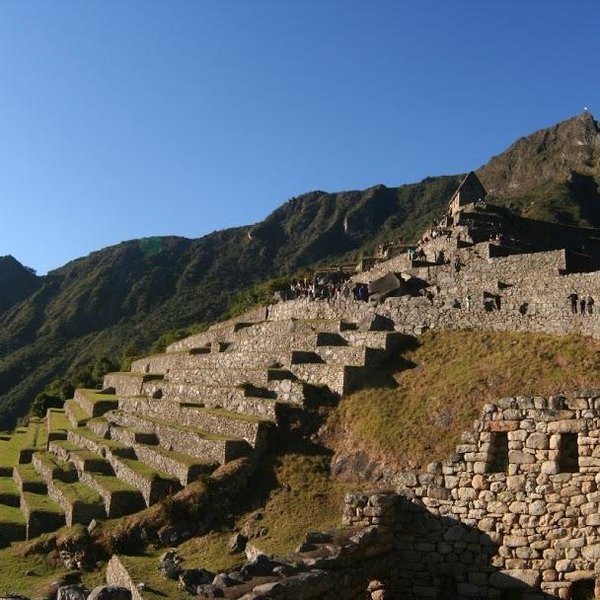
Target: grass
<point x="35" y="575"/>
<point x="444" y="383"/>
<point x="95" y="396"/>
<point x="143" y="569"/>
<point x="11" y="514"/>
<point x="80" y="415"/>
<point x="33" y="435"/>
<point x="113" y="483"/>
<point x="30" y="575"/>
<point x="78" y="492"/>
<point x="148" y="473"/>
<point x="8" y="487"/>
<point x="29" y="474"/>
<point x="304" y="499"/>
<point x="41" y="503"/>
<point x="211" y="552"/>
<point x="57" y="420"/>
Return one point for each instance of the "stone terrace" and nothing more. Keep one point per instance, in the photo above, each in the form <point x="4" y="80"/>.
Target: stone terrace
<point x="209" y="399"/>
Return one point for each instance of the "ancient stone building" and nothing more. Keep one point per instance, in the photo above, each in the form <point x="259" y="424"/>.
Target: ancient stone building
<point x="469" y="191"/>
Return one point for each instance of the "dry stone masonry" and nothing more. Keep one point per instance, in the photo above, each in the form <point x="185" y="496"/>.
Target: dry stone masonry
<point x="210" y="399"/>
<point x="514" y="514"/>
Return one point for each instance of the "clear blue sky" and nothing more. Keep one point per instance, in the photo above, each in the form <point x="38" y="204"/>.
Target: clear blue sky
<point x="122" y="119"/>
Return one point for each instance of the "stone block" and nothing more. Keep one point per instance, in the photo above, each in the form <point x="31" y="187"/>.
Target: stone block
<point x="501" y="426"/>
<point x="515" y="579"/>
<point x="520" y="458"/>
<point x="591" y="552"/>
<point x="515" y="541"/>
<point x="567" y="426"/>
<point x="538" y="507"/>
<point x="538" y="441"/>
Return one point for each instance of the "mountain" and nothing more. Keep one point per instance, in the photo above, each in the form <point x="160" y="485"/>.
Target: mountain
<point x="551" y="175"/>
<point x="120" y="299"/>
<point x="16" y="282"/>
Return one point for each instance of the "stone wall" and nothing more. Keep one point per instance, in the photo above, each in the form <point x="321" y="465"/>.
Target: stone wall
<point x="525" y="292"/>
<point x="518" y="507"/>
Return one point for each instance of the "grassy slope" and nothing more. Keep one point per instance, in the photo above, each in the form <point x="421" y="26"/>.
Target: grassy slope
<point x="455" y="373"/>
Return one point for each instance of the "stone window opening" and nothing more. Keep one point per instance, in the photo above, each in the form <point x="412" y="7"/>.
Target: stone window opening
<point x="583" y="589"/>
<point x="498" y="462"/>
<point x="568" y="453"/>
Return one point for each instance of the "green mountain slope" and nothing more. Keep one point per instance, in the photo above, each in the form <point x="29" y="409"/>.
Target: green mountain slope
<point x="16" y="282"/>
<point x="122" y="298"/>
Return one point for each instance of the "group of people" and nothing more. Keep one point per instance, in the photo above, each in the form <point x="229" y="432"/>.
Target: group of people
<point x="326" y="289"/>
<point x="581" y="304"/>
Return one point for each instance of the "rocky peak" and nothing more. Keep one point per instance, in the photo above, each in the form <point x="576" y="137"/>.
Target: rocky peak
<point x="547" y="156"/>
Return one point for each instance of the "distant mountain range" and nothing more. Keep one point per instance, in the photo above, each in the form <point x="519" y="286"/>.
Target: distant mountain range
<point x="120" y="299"/>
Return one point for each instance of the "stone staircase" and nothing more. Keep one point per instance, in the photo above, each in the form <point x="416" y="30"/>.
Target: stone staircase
<point x="211" y="398"/>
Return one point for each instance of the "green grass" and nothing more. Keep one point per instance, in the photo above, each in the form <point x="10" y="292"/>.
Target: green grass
<point x="35" y="575"/>
<point x="78" y="492"/>
<point x="8" y="486"/>
<point x="113" y="483"/>
<point x="143" y="569"/>
<point x="28" y="473"/>
<point x="95" y="396"/>
<point x="305" y="499"/>
<point x="57" y="420"/>
<point x="77" y="411"/>
<point x="41" y="503"/>
<point x="211" y="551"/>
<point x="146" y="471"/>
<point x="33" y="436"/>
<point x="455" y="373"/>
<point x="11" y="514"/>
<point x="290" y="495"/>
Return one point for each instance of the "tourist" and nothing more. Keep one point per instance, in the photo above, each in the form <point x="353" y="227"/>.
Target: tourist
<point x="582" y="306"/>
<point x="468" y="301"/>
<point x="573" y="298"/>
<point x="590" y="304"/>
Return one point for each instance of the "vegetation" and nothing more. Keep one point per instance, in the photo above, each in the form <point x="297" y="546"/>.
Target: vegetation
<point x="445" y="380"/>
<point x="32" y="436"/>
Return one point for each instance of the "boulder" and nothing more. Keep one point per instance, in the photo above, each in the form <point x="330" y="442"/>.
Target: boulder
<point x="72" y="592"/>
<point x="262" y="565"/>
<point x="208" y="592"/>
<point x="169" y="564"/>
<point x="109" y="592"/>
<point x="191" y="579"/>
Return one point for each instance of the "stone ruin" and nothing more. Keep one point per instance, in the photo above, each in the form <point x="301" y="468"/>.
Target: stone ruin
<point x="513" y="514"/>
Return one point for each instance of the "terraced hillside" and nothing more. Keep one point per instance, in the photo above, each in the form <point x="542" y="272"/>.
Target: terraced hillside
<point x="210" y="399"/>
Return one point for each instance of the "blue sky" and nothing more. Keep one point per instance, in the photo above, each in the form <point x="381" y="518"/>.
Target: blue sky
<point x="122" y="119"/>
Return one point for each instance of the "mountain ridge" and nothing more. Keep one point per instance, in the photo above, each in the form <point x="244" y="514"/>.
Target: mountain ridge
<point x="123" y="297"/>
